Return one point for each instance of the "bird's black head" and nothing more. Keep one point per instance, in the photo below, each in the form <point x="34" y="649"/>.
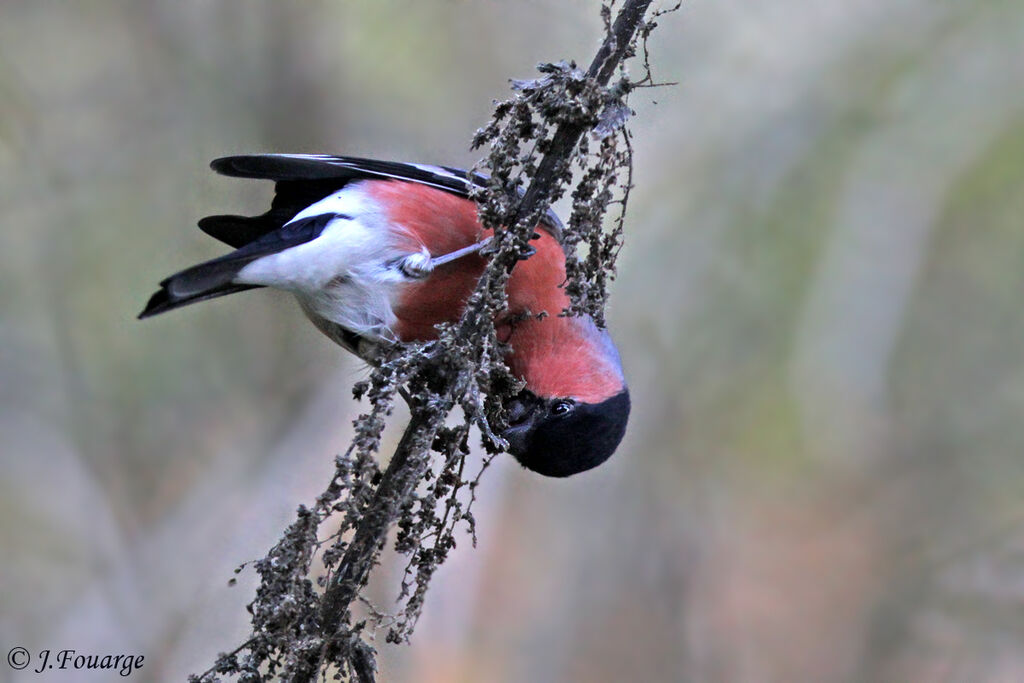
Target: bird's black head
<point x="558" y="437"/>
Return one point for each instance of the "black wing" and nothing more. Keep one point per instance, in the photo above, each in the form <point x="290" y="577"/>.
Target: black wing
<point x="303" y="179"/>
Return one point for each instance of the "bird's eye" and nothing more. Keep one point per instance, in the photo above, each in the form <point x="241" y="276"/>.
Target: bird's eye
<point x="562" y="407"/>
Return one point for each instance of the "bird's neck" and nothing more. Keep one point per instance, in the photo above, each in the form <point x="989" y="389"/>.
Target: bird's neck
<point x="555" y="355"/>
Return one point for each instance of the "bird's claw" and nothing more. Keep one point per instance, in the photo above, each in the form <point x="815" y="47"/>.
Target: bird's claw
<point x="416" y="266"/>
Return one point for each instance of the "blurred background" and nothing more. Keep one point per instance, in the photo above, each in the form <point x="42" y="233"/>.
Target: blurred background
<point x="819" y="307"/>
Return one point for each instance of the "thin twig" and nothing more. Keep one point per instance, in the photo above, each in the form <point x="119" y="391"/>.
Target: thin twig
<point x="398" y="481"/>
<point x="568" y="134"/>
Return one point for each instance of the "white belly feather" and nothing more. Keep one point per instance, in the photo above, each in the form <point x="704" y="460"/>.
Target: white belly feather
<point x="349" y="274"/>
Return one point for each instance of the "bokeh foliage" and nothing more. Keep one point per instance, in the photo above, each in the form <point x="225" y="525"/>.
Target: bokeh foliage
<point x="818" y="304"/>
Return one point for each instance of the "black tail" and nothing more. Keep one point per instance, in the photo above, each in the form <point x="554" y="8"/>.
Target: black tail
<point x="205" y="281"/>
<point x="217" y="277"/>
<point x="164" y="301"/>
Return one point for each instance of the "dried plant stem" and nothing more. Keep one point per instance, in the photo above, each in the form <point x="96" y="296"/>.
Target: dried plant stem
<point x="612" y="50"/>
<point x="404" y="472"/>
<point x="397" y="483"/>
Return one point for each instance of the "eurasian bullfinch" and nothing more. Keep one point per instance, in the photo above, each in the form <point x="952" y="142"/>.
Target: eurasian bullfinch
<point x="380" y="252"/>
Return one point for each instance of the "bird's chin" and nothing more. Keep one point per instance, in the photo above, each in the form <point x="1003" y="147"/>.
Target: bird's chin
<point x="518" y="438"/>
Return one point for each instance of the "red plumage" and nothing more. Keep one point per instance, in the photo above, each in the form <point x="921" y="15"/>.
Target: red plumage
<point x="556" y="356"/>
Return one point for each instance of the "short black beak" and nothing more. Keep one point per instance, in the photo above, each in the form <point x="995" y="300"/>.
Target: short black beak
<point x="518" y="412"/>
<point x="520" y="423"/>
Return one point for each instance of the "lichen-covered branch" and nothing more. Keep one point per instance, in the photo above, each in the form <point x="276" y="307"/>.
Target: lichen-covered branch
<point x="304" y="628"/>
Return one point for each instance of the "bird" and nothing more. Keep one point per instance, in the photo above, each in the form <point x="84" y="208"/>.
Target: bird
<point x="381" y="252"/>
